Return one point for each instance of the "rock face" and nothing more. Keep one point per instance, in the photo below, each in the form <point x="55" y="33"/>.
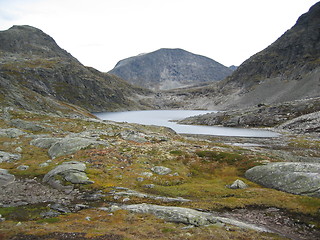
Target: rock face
<point x="34" y="67"/>
<point x="169" y="68"/>
<point x="292" y="177"/>
<point x="73" y="172"/>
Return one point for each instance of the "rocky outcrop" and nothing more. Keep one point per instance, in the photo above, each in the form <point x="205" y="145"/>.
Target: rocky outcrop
<point x="73" y="172"/>
<point x="292" y="177"/>
<point x="161" y="170"/>
<point x="11" y="132"/>
<point x="169" y="68"/>
<point x="186" y="215"/>
<point x="264" y="115"/>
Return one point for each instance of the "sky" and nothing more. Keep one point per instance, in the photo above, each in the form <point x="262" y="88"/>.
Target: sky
<point x="99" y="33"/>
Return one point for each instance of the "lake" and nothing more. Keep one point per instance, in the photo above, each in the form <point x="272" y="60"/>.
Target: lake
<point x="165" y="117"/>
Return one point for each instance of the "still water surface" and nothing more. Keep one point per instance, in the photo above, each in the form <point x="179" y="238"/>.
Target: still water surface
<point x="164" y="118"/>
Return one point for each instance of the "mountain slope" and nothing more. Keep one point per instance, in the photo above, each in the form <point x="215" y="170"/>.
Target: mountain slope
<point x="33" y="65"/>
<point x="169" y="68"/>
<point x="287" y="70"/>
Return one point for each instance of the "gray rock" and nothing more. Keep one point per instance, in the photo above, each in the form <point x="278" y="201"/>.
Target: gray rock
<point x="161" y="170"/>
<point x="292" y="177"/>
<point x="185" y="215"/>
<point x="149" y="185"/>
<point x="18" y="149"/>
<point x="23" y="167"/>
<point x="73" y="172"/>
<point x="60" y="208"/>
<point x="237" y="184"/>
<point x="5" y="177"/>
<point x="9" y="157"/>
<point x="11" y="132"/>
<point x="50" y="214"/>
<point x="44" y="142"/>
<point x="69" y="146"/>
<point x="134" y="136"/>
<point x="31" y="126"/>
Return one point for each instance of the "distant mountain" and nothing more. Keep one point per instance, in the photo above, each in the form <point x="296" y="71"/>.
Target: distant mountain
<point x="233" y="67"/>
<point x="169" y="68"/>
<point x="36" y="74"/>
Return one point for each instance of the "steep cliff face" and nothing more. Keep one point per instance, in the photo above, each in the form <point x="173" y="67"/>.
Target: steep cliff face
<point x="170" y="68"/>
<point x="33" y="66"/>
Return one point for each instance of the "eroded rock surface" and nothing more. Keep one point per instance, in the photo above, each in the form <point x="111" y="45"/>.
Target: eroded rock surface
<point x="292" y="177"/>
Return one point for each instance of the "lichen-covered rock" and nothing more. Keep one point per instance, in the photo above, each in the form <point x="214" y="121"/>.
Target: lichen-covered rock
<point x="44" y="142"/>
<point x="11" y="132"/>
<point x="31" y="126"/>
<point x="69" y="146"/>
<point x="161" y="170"/>
<point x="5" y="177"/>
<point x="72" y="171"/>
<point x="9" y="157"/>
<point x="292" y="177"/>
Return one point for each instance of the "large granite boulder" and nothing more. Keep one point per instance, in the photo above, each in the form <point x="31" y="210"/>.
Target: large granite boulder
<point x="291" y="177"/>
<point x="44" y="142"/>
<point x="72" y="171"/>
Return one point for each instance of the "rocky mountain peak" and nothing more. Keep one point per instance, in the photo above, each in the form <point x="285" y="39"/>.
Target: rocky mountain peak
<point x="170" y="68"/>
<point x="24" y="39"/>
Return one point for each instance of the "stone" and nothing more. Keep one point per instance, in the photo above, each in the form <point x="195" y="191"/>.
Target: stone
<point x="27" y="125"/>
<point x="161" y="170"/>
<point x="185" y="215"/>
<point x="23" y="167"/>
<point x="11" y="132"/>
<point x="149" y="186"/>
<point x="69" y="146"/>
<point x="5" y="177"/>
<point x="49" y="214"/>
<point x="60" y="208"/>
<point x="9" y="157"/>
<point x="72" y="171"/>
<point x="18" y="149"/>
<point x="44" y="142"/>
<point x="292" y="177"/>
<point x="134" y="136"/>
<point x="147" y="174"/>
<point x="238" y="184"/>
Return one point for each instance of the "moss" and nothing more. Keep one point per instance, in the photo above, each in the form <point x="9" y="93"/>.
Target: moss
<point x="23" y="213"/>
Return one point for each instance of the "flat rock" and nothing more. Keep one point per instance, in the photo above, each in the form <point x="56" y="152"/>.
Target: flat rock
<point x="11" y="132"/>
<point x="185" y="215"/>
<point x="72" y="171"/>
<point x="45" y="142"/>
<point x="291" y="177"/>
<point x="5" y="177"/>
<point x="238" y="184"/>
<point x="27" y="125"/>
<point x="69" y="146"/>
<point x="9" y="157"/>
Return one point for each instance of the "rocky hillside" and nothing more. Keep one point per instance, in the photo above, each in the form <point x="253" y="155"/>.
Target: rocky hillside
<point x="287" y="70"/>
<point x="170" y="68"/>
<point x="36" y="74"/>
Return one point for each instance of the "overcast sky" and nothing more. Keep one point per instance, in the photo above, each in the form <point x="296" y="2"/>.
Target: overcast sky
<point x="99" y="33"/>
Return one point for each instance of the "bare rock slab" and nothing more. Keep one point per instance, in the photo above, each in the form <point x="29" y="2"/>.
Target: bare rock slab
<point x="5" y="177"/>
<point x="292" y="177"/>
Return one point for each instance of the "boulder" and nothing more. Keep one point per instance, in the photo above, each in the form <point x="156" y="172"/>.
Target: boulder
<point x="69" y="146"/>
<point x="185" y="215"/>
<point x="44" y="142"/>
<point x="11" y="132"/>
<point x="72" y="171"/>
<point x="23" y="167"/>
<point x="161" y="170"/>
<point x="292" y="177"/>
<point x="9" y="157"/>
<point x="5" y="177"/>
<point x="238" y="184"/>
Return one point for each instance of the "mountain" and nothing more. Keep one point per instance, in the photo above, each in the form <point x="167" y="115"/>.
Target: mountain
<point x="169" y="68"/>
<point x="287" y="70"/>
<point x="36" y="74"/>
